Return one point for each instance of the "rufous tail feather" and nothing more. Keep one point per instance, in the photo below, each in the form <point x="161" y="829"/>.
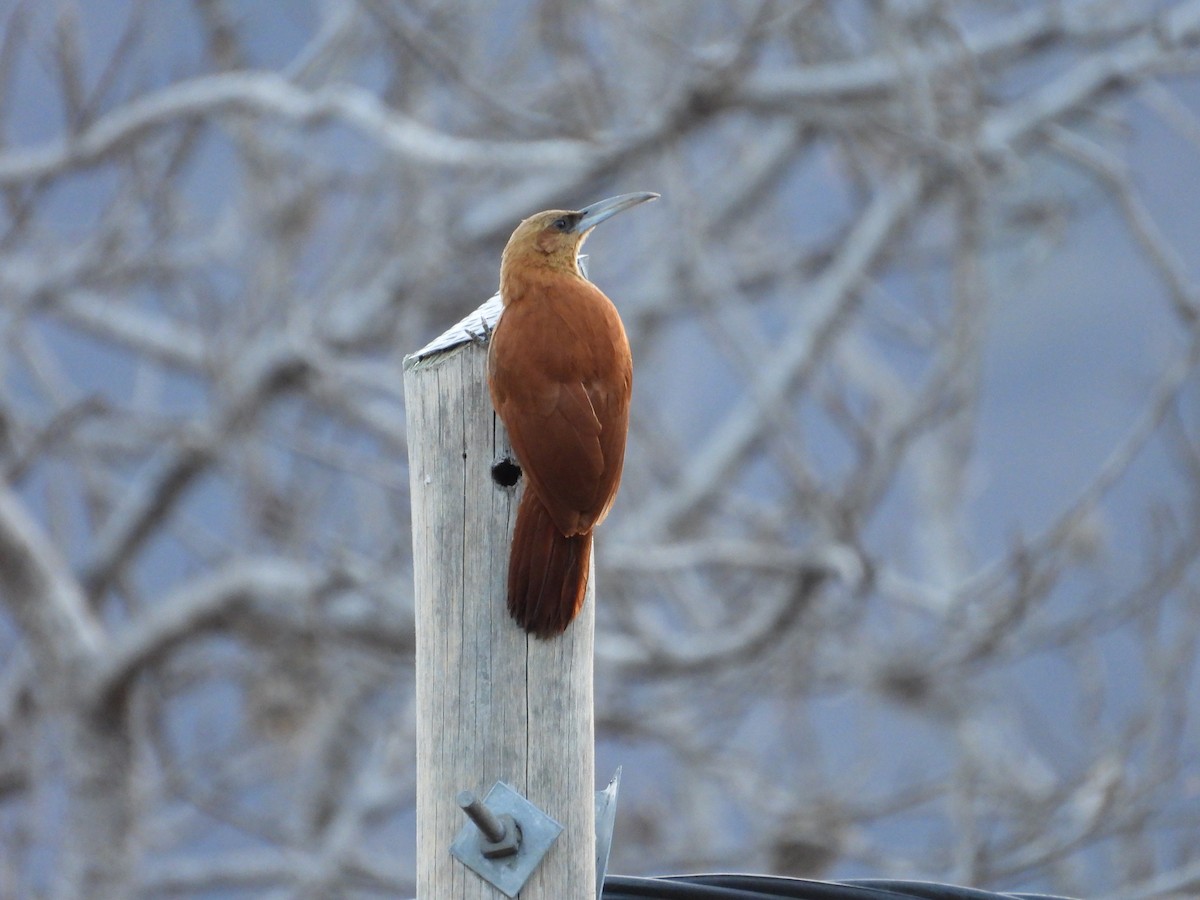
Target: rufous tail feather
<point x="547" y="571"/>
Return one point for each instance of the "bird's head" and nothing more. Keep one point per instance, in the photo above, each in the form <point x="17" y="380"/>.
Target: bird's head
<point x="553" y="238"/>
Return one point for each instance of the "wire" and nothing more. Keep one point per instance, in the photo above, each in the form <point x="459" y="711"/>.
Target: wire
<point x="761" y="887"/>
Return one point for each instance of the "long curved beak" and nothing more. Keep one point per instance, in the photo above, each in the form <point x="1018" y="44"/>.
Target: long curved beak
<point x="593" y="214"/>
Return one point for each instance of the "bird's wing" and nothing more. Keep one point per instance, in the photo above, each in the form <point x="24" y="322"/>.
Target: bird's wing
<point x="561" y="386"/>
<point x="556" y="435"/>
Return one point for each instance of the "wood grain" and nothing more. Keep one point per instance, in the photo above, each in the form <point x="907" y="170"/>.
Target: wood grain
<point x="493" y="703"/>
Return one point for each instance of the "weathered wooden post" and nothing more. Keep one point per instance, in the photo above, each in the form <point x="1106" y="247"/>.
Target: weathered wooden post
<point x="493" y="704"/>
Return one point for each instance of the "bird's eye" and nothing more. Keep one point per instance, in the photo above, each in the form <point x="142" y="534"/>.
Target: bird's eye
<point x="561" y="224"/>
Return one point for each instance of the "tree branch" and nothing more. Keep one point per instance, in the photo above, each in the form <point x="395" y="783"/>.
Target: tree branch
<point x="271" y="95"/>
<point x="44" y="599"/>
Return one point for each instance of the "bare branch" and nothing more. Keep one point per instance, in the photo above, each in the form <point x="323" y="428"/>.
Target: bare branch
<point x="268" y="94"/>
<point x="49" y="604"/>
<point x="268" y="370"/>
<point x="828" y="309"/>
<point x="1185" y="294"/>
<point x="199" y="606"/>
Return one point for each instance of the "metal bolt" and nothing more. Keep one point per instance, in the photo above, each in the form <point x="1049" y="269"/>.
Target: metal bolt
<point x="502" y="834"/>
<point x="493" y="829"/>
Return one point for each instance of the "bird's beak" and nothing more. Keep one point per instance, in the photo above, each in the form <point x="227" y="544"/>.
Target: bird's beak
<point x="592" y="215"/>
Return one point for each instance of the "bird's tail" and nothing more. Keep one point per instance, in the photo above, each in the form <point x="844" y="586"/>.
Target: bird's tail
<point x="547" y="571"/>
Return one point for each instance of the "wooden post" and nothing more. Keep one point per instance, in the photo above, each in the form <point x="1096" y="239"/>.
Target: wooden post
<point x="493" y="704"/>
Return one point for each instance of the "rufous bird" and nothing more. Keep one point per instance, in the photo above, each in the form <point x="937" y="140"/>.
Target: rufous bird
<point x="560" y="374"/>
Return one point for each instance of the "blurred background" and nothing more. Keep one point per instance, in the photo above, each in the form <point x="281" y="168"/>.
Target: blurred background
<point x="903" y="577"/>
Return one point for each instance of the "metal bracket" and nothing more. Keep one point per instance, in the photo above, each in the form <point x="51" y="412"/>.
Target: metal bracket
<point x="606" y="819"/>
<point x="506" y="839"/>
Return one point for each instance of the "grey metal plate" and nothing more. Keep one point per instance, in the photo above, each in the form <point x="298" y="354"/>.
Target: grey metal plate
<point x="538" y="833"/>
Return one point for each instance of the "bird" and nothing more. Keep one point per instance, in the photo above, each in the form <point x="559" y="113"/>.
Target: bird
<point x="560" y="375"/>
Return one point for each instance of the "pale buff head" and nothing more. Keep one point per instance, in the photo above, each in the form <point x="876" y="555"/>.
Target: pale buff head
<point x="552" y="239"/>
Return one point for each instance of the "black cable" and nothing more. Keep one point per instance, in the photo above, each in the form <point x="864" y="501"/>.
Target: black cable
<point x="624" y="887"/>
<point x="761" y="887"/>
<point x="927" y="890"/>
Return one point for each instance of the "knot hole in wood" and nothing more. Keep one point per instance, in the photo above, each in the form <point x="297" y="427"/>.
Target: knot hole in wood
<point x="506" y="472"/>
